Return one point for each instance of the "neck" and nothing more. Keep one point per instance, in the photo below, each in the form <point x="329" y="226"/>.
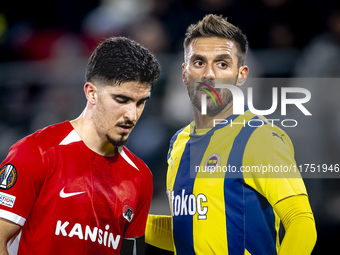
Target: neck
<point x="208" y="121"/>
<point x="87" y="131"/>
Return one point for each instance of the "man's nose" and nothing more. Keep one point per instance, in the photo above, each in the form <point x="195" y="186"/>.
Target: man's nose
<point x="131" y="112"/>
<point x="209" y="72"/>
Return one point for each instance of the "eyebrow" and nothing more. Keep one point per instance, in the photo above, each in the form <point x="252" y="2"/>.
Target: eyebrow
<point x="217" y="57"/>
<point x="223" y="56"/>
<point x="129" y="98"/>
<point x="198" y="56"/>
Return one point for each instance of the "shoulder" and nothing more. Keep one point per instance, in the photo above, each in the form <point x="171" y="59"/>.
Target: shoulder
<point x="271" y="135"/>
<point x="269" y="146"/>
<point x="28" y="156"/>
<point x="136" y="162"/>
<point x="30" y="150"/>
<point x="50" y="136"/>
<point x="142" y="177"/>
<point x="180" y="137"/>
<point x="182" y="133"/>
<point x="45" y="138"/>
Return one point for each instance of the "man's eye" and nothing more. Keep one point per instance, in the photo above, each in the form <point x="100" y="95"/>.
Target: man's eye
<point x="222" y="64"/>
<point x="141" y="103"/>
<point x="198" y="63"/>
<point x="121" y="101"/>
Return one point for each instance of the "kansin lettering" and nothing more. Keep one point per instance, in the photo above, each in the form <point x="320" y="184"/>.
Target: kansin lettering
<point x="102" y="237"/>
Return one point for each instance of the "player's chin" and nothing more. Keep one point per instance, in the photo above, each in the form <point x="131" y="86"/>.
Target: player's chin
<point x="214" y="110"/>
<point x="120" y="140"/>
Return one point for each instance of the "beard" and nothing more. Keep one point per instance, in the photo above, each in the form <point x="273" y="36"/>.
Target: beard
<point x="212" y="108"/>
<point x="123" y="137"/>
<point x="117" y="142"/>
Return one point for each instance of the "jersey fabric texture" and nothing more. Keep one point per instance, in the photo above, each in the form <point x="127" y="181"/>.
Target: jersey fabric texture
<point x="228" y="210"/>
<point x="71" y="200"/>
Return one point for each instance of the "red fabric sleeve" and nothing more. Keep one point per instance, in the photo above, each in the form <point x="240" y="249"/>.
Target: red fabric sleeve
<point x="22" y="185"/>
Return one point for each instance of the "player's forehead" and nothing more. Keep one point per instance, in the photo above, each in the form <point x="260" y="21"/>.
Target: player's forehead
<point x="132" y="89"/>
<point x="211" y="47"/>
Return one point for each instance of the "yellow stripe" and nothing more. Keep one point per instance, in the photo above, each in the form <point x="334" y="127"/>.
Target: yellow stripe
<point x="210" y="235"/>
<point x="246" y="252"/>
<point x="277" y="228"/>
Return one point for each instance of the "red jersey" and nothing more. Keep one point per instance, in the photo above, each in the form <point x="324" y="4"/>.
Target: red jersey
<point x="69" y="199"/>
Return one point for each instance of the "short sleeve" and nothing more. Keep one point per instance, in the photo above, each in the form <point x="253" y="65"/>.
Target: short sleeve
<point x="22" y="174"/>
<point x="136" y="227"/>
<point x="272" y="171"/>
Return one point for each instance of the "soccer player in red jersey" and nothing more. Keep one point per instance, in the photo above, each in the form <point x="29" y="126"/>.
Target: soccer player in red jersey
<point x="73" y="187"/>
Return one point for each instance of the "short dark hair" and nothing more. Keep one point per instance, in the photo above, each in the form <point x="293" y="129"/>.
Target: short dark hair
<point x="216" y="26"/>
<point x="119" y="59"/>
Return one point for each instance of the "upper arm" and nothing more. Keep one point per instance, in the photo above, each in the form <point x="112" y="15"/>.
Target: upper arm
<point x="136" y="228"/>
<point x="270" y="152"/>
<point x="22" y="174"/>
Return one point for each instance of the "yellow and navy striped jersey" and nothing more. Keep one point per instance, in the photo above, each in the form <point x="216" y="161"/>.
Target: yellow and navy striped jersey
<point x="222" y="186"/>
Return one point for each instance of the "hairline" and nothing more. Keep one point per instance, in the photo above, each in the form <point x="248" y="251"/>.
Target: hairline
<point x="107" y="82"/>
<point x="104" y="83"/>
<point x="239" y="53"/>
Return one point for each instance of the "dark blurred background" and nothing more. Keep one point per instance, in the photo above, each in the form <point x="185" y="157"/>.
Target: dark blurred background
<point x="44" y="47"/>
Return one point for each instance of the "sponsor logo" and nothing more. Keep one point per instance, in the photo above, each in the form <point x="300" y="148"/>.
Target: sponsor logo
<point x="7" y="200"/>
<point x="87" y="233"/>
<point x="188" y="204"/>
<point x="128" y="212"/>
<point x="62" y="194"/>
<point x="8" y="176"/>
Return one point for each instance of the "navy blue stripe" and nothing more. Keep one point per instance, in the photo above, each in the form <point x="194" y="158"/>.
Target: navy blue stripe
<point x="185" y="179"/>
<point x="173" y="139"/>
<point x="260" y="223"/>
<point x="234" y="194"/>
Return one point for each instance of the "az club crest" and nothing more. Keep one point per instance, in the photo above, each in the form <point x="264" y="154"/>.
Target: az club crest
<point x="8" y="176"/>
<point x="128" y="212"/>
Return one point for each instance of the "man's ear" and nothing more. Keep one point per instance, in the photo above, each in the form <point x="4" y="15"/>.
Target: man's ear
<point x="242" y="75"/>
<point x="184" y="75"/>
<point x="91" y="92"/>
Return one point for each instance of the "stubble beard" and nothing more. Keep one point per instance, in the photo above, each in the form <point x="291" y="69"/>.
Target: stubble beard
<point x="116" y="142"/>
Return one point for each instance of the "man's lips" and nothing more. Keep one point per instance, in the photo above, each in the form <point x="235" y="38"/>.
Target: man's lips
<point x="203" y="85"/>
<point x="125" y="128"/>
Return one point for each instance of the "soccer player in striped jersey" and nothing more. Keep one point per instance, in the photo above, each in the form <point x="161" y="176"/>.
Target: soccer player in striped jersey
<point x="216" y="207"/>
<point x="73" y="187"/>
